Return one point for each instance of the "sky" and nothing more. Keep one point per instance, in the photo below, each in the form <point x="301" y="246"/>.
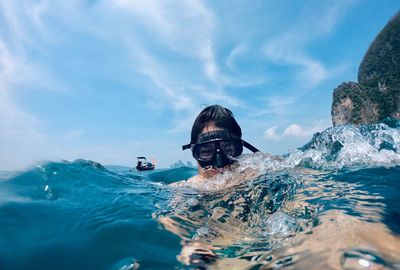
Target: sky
<point x="112" y="80"/>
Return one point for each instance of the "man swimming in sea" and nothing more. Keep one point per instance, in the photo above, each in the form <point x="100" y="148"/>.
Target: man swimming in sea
<point x="226" y="221"/>
<point x="216" y="143"/>
<point x="216" y="140"/>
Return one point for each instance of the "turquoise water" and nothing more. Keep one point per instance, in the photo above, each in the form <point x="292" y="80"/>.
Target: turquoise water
<point x="334" y="204"/>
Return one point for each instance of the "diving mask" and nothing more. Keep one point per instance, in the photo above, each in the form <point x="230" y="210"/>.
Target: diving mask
<point x="218" y="148"/>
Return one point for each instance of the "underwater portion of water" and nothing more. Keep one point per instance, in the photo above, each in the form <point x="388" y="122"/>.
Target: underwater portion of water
<point x="333" y="204"/>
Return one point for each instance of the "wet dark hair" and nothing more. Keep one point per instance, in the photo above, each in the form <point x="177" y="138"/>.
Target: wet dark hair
<point x="219" y="116"/>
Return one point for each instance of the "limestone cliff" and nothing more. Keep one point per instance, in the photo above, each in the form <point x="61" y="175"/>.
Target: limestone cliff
<point x="376" y="96"/>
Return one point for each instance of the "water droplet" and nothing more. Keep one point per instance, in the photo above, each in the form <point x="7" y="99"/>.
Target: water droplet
<point x="361" y="259"/>
<point x="126" y="264"/>
<point x="364" y="263"/>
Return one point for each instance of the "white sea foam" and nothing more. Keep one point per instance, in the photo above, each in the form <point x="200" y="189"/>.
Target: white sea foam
<point x="279" y="224"/>
<point x="333" y="149"/>
<point x="348" y="146"/>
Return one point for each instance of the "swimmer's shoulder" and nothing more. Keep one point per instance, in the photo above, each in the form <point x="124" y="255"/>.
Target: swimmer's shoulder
<point x="187" y="182"/>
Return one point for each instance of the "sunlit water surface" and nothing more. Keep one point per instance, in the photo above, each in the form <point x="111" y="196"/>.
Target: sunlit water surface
<point x="332" y="204"/>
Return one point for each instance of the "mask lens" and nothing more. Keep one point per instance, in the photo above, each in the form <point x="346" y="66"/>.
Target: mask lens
<point x="204" y="151"/>
<point x="231" y="148"/>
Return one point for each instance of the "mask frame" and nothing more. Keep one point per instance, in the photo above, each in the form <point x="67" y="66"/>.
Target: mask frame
<point x="219" y="156"/>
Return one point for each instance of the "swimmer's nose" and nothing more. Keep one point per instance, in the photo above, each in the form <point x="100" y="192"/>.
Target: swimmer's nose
<point x="218" y="160"/>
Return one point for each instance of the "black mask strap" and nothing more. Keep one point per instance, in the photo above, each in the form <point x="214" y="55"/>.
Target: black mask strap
<point x="186" y="146"/>
<point x="250" y="147"/>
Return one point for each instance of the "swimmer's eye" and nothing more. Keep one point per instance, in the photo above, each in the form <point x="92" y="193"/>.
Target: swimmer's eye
<point x="204" y="151"/>
<point x="231" y="148"/>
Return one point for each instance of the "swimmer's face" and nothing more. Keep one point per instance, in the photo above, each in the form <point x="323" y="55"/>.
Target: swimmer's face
<point x="211" y="171"/>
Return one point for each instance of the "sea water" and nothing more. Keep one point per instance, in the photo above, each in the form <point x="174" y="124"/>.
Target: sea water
<point x="332" y="204"/>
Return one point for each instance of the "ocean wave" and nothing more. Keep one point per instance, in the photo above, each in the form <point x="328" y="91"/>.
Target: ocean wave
<point x="267" y="211"/>
<point x="336" y="148"/>
<point x="351" y="146"/>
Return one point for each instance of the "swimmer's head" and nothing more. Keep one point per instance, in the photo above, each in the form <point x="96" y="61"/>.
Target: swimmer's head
<point x="215" y="117"/>
<point x="216" y="140"/>
<point x="213" y="127"/>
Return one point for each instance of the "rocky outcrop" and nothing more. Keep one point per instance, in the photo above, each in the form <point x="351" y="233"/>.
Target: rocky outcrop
<point x="376" y="96"/>
<point x="354" y="104"/>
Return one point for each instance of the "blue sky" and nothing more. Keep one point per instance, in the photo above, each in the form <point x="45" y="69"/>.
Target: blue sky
<point x="115" y="79"/>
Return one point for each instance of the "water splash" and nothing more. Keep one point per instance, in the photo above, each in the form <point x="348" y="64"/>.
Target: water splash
<point x="298" y="211"/>
<point x="350" y="146"/>
<point x="335" y="148"/>
<point x="127" y="264"/>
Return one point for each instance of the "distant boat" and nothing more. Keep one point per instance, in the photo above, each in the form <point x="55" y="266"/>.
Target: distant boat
<point x="144" y="165"/>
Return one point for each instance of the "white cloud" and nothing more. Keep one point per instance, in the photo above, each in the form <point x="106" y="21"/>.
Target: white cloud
<point x="296" y="131"/>
<point x="183" y="28"/>
<point x="271" y="133"/>
<point x="234" y="54"/>
<point x="184" y="122"/>
<point x="148" y="11"/>
<point x="290" y="47"/>
<point x="179" y="100"/>
<point x="287" y="51"/>
<point x="278" y="105"/>
<point x="210" y="65"/>
<point x="22" y="140"/>
<point x="184" y="32"/>
<point x="7" y="65"/>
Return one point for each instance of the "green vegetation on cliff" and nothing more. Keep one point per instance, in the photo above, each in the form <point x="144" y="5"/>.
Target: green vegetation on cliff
<point x="377" y="94"/>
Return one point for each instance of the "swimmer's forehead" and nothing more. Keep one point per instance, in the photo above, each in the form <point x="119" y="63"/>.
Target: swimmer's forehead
<point x="210" y="127"/>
